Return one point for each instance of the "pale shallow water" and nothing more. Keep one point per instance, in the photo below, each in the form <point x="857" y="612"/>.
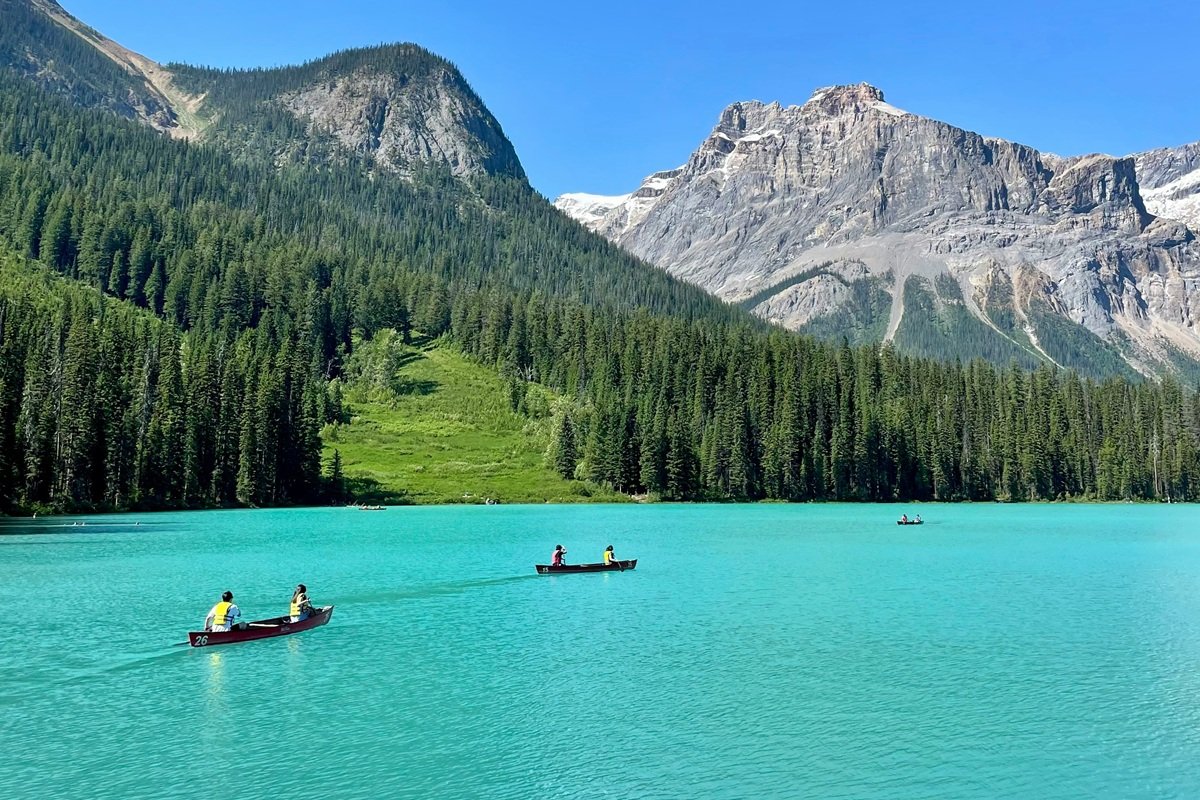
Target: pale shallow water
<point x="757" y="651"/>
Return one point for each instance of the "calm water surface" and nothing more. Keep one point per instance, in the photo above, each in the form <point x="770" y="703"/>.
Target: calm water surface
<point x="757" y="651"/>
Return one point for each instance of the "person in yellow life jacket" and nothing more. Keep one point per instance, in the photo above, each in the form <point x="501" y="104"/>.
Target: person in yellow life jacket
<point x="221" y="617"/>
<point x="301" y="607"/>
<point x="609" y="557"/>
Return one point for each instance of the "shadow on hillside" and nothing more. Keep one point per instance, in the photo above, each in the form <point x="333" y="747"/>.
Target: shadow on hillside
<point x="404" y="359"/>
<point x="368" y="490"/>
<point x="405" y="386"/>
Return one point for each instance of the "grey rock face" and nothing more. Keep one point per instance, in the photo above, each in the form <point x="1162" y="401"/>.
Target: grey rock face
<point x="404" y="123"/>
<point x="861" y="188"/>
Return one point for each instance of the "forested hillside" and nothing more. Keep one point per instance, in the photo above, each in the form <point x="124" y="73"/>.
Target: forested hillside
<point x="191" y="348"/>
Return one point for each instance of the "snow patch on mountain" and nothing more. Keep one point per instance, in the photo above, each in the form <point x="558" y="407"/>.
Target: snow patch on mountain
<point x="1178" y="200"/>
<point x="589" y="208"/>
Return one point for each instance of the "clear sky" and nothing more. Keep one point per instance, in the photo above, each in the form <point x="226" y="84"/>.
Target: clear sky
<point x="595" y="95"/>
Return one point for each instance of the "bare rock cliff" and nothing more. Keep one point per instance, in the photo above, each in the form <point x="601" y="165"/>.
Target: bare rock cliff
<point x="402" y="122"/>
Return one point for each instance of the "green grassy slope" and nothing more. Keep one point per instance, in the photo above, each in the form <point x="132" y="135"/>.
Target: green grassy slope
<point x="429" y="426"/>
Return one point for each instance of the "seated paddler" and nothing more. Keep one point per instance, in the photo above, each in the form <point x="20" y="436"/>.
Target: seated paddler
<point x="557" y="558"/>
<point x="609" y="557"/>
<point x="301" y="607"/>
<point x="223" y="615"/>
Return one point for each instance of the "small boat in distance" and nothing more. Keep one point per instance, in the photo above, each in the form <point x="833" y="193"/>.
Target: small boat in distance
<point x="616" y="566"/>
<point x="371" y="508"/>
<point x="910" y="522"/>
<point x="260" y="629"/>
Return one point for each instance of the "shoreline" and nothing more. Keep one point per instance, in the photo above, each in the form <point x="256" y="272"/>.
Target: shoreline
<point x="41" y="514"/>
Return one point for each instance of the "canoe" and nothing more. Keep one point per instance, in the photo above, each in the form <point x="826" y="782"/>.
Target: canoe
<point x="910" y="522"/>
<point x="260" y="629"/>
<point x="616" y="566"/>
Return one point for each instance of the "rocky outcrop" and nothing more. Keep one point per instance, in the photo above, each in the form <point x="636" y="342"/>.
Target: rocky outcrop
<point x="856" y="185"/>
<point x="403" y="122"/>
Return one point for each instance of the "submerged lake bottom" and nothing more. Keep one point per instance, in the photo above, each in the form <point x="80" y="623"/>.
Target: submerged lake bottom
<point x="756" y="651"/>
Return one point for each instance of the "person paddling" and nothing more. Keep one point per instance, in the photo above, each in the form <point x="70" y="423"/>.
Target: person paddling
<point x="609" y="556"/>
<point x="301" y="607"/>
<point x="221" y="617"/>
<point x="560" y="553"/>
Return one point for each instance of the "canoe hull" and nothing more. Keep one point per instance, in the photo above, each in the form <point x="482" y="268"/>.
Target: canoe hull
<point x="898" y="522"/>
<point x="260" y="629"/>
<point x="616" y="566"/>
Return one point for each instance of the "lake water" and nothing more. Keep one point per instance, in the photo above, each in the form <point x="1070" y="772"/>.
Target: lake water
<point x="757" y="651"/>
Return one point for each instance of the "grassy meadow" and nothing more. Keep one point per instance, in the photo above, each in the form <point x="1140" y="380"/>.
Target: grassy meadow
<point x="426" y="425"/>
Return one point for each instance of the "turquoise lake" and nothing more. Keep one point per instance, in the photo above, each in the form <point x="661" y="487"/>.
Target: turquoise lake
<point x="1048" y="651"/>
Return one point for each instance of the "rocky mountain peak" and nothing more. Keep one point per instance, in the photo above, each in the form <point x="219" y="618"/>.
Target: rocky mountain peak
<point x="403" y="118"/>
<point x="833" y="100"/>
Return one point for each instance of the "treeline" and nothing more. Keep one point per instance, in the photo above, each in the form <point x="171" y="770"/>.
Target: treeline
<point x="697" y="411"/>
<point x="104" y="406"/>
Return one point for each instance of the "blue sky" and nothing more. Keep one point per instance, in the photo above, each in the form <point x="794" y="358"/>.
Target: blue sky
<point x="595" y="95"/>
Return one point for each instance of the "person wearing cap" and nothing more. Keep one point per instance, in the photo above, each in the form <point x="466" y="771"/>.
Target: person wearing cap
<point x="221" y="617"/>
<point x="301" y="607"/>
<point x="609" y="557"/>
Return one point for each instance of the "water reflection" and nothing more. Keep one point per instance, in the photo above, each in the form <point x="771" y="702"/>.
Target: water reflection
<point x="216" y="679"/>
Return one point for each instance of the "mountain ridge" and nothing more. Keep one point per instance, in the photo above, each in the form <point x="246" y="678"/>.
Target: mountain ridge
<point x="394" y="107"/>
<point x="849" y="181"/>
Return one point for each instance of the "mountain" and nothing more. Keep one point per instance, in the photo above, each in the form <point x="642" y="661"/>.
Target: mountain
<point x="398" y="106"/>
<point x="848" y="216"/>
<point x="1170" y="181"/>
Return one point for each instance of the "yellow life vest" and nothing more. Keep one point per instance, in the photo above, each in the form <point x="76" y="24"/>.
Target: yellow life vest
<point x="221" y="614"/>
<point x="608" y="557"/>
<point x="298" y="604"/>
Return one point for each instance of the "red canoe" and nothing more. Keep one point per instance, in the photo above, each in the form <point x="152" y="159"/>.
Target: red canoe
<point x="260" y="629"/>
<point x="616" y="566"/>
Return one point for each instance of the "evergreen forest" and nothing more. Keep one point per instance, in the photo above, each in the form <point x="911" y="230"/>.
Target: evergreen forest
<point x="176" y="321"/>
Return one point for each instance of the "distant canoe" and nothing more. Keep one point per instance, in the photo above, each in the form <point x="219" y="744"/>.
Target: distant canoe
<point x="616" y="566"/>
<point x="260" y="629"/>
<point x="910" y="522"/>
